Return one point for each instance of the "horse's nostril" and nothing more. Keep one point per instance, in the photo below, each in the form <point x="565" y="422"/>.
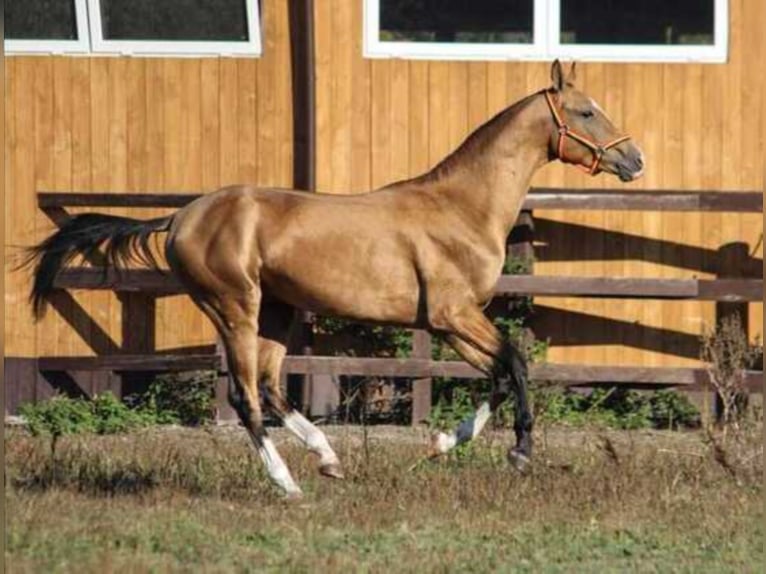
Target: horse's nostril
<point x="639" y="162"/>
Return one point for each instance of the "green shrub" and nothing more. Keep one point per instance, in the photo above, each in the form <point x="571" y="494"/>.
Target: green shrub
<point x="59" y="416"/>
<point x="185" y="398"/>
<point x="618" y="408"/>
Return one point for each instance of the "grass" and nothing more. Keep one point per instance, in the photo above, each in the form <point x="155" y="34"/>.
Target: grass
<point x="181" y="500"/>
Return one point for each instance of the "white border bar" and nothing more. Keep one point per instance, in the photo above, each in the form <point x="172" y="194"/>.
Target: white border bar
<point x="79" y="46"/>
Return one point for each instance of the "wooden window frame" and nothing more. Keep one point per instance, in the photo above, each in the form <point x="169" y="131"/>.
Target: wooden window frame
<point x="547" y="44"/>
<point x="47" y="46"/>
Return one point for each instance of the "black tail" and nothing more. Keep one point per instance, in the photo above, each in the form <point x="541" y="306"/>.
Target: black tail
<point x="123" y="239"/>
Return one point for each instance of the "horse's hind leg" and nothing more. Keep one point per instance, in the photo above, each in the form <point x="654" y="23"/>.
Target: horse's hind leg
<point x="237" y="322"/>
<point x="275" y="321"/>
<point x="479" y="342"/>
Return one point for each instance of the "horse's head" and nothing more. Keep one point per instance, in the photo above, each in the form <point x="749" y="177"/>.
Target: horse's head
<point x="583" y="135"/>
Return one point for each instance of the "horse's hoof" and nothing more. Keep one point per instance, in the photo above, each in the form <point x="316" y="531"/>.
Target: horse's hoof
<point x="519" y="460"/>
<point x="293" y="496"/>
<point x="331" y="470"/>
<point x="437" y="445"/>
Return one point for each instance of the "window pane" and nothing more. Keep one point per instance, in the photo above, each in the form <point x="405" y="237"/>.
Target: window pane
<point x="637" y="22"/>
<point x="40" y="20"/>
<point x="189" y="20"/>
<point x="479" y="21"/>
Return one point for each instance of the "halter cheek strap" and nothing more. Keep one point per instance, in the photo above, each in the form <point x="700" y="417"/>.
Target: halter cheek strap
<point x="597" y="149"/>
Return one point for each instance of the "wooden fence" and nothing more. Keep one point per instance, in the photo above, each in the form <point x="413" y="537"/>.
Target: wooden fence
<point x="138" y="290"/>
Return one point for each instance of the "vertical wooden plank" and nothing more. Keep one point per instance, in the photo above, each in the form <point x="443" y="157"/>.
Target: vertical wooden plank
<point x="283" y="92"/>
<point x="478" y="95"/>
<point x="341" y="20"/>
<point x="438" y="112"/>
<point x="400" y="121"/>
<point x="81" y="172"/>
<point x="613" y="103"/>
<point x="653" y="94"/>
<point x="66" y="340"/>
<point x="191" y="175"/>
<point x="175" y="127"/>
<point x="266" y="105"/>
<point x="710" y="167"/>
<point x="211" y="126"/>
<point x="21" y="333"/>
<point x="44" y="178"/>
<point x="692" y="110"/>
<point x="324" y="95"/>
<point x="247" y="126"/>
<point x="229" y="117"/>
<point x="419" y="136"/>
<point x="362" y="152"/>
<point x="497" y="98"/>
<point x="136" y="125"/>
<point x="457" y="104"/>
<point x="158" y="159"/>
<point x="672" y="178"/>
<point x="380" y="123"/>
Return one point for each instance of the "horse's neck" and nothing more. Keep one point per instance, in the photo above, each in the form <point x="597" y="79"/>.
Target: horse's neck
<point x="490" y="186"/>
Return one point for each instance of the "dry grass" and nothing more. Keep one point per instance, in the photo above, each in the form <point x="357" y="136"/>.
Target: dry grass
<point x="180" y="500"/>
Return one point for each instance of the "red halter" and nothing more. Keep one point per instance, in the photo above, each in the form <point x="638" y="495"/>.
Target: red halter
<point x="597" y="149"/>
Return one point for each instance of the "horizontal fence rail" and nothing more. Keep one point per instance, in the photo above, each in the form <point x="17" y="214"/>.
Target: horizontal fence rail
<point x="570" y="375"/>
<point x="143" y="280"/>
<point x="538" y="198"/>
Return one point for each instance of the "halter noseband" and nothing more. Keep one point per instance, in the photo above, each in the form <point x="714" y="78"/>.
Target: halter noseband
<point x="598" y="150"/>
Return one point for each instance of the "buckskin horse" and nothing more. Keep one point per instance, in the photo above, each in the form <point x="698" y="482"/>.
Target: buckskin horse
<point x="421" y="253"/>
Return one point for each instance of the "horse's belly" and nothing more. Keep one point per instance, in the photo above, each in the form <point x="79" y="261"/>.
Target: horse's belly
<point x="330" y="286"/>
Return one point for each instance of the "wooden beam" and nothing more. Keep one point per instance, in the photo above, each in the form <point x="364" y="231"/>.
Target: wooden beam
<point x="130" y="280"/>
<point x="47" y="200"/>
<point x="142" y="280"/>
<point x="645" y="200"/>
<point x="538" y="198"/>
<point x="638" y="288"/>
<point x="689" y="378"/>
<point x="138" y="363"/>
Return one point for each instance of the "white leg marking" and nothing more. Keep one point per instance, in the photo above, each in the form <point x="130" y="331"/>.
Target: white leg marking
<point x="314" y="439"/>
<point x="277" y="468"/>
<point x="466" y="430"/>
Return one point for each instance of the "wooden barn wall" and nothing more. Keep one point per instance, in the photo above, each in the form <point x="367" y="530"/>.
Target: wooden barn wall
<point x="382" y="120"/>
<point x="136" y="124"/>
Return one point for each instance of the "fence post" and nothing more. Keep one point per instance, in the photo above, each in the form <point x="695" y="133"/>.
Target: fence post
<point x="421" y="388"/>
<point x="521" y="240"/>
<point x="139" y="314"/>
<point x="521" y="248"/>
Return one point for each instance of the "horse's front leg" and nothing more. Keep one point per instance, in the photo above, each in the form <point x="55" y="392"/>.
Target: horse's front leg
<point x="479" y="342"/>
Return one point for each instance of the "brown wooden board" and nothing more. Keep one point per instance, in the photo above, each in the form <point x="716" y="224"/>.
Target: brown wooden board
<point x="538" y="198"/>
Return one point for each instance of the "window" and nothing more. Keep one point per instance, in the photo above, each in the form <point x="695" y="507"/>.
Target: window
<point x="140" y="27"/>
<point x="605" y="30"/>
<point x="50" y="26"/>
<point x="175" y="26"/>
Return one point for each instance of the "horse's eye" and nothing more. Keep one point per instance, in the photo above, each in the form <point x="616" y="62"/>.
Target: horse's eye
<point x="587" y="113"/>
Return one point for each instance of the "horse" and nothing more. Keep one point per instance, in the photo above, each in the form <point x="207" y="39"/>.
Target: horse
<point x="420" y="253"/>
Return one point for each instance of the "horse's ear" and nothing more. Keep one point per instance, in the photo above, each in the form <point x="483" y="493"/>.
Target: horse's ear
<point x="572" y="75"/>
<point x="557" y="75"/>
